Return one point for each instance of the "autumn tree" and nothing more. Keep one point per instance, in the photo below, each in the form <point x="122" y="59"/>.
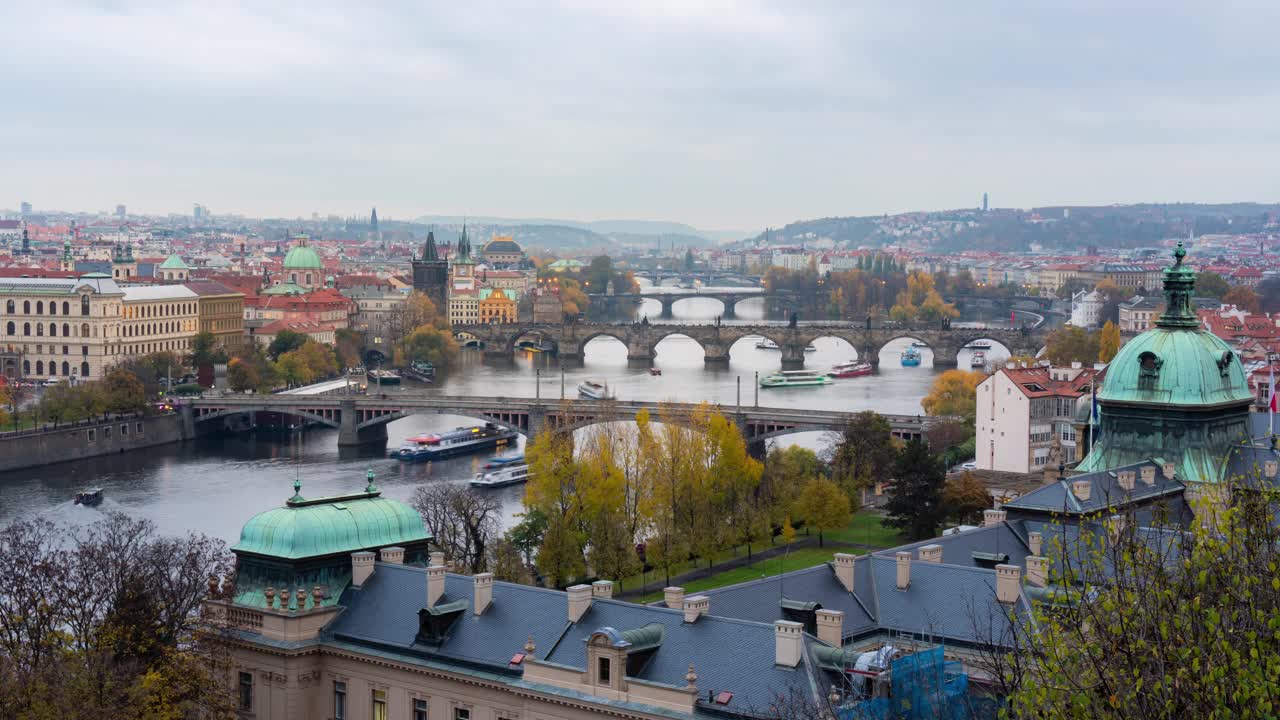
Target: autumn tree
<point x="285" y="341"/>
<point x="428" y="344"/>
<point x="553" y="491"/>
<point x="786" y="470"/>
<point x="416" y="311"/>
<point x="954" y="392"/>
<point x="1070" y="344"/>
<point x="124" y="392"/>
<point x="965" y="498"/>
<point x="823" y="505"/>
<point x="1211" y="284"/>
<point x="464" y="523"/>
<point x="1242" y="297"/>
<point x="921" y="301"/>
<point x="1108" y="342"/>
<point x="915" y="496"/>
<point x="346" y="345"/>
<point x="862" y="453"/>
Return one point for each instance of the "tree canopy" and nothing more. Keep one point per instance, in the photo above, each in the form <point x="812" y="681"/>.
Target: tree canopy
<point x="954" y="392"/>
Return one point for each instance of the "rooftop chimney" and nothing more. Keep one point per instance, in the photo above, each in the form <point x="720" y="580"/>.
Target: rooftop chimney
<point x="1270" y="468"/>
<point x="482" y="592"/>
<point x="1125" y="479"/>
<point x="932" y="553"/>
<point x="1007" y="583"/>
<point x="1037" y="570"/>
<point x="1081" y="489"/>
<point x="435" y="584"/>
<point x="844" y="570"/>
<point x="579" y="601"/>
<point x="393" y="555"/>
<point x="831" y="626"/>
<point x="674" y="597"/>
<point x="787" y="643"/>
<point x="1076" y="365"/>
<point x="992" y="517"/>
<point x="437" y="558"/>
<point x="1148" y="475"/>
<point x="695" y="607"/>
<point x="1035" y="540"/>
<point x="1168" y="469"/>
<point x="361" y="567"/>
<point x="904" y="569"/>
<point x="602" y="589"/>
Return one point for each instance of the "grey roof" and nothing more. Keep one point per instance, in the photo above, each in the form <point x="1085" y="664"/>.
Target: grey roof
<point x="728" y="654"/>
<point x="59" y="286"/>
<point x="1105" y="492"/>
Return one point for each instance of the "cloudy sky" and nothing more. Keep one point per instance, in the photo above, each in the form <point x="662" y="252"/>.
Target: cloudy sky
<point x="720" y="114"/>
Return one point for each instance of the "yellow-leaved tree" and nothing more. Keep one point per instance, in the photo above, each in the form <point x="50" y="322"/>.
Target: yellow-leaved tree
<point x="954" y="392"/>
<point x="921" y="301"/>
<point x="1109" y="342"/>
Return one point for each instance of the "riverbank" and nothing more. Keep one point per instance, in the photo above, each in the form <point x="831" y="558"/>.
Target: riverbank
<point x="87" y="439"/>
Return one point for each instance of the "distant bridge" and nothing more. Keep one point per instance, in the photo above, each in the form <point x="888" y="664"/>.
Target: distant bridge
<point x="362" y="419"/>
<point x="641" y="339"/>
<point x="728" y="298"/>
<point x="706" y="276"/>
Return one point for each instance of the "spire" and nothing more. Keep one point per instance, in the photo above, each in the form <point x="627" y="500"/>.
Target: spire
<point x="1179" y="288"/>
<point x="429" y="251"/>
<point x="373" y="219"/>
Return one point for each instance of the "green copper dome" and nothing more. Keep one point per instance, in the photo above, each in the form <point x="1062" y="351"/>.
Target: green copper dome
<point x="329" y="526"/>
<point x="302" y="258"/>
<point x="1176" y="367"/>
<point x="174" y="262"/>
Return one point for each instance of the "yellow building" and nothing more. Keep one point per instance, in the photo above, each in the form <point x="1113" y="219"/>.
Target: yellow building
<point x="60" y="327"/>
<point x="220" y="311"/>
<point x="496" y="306"/>
<point x="158" y="318"/>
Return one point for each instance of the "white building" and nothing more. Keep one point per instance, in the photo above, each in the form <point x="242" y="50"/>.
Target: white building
<point x="1020" y="412"/>
<point x="1086" y="308"/>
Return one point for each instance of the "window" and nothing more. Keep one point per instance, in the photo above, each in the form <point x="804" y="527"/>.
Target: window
<point x="379" y="705"/>
<point x="461" y="714"/>
<point x="84" y="369"/>
<point x="53" y="308"/>
<point x="1041" y="457"/>
<point x="419" y="709"/>
<point x="339" y="700"/>
<point x="66" y="308"/>
<point x="139" y="428"/>
<point x="246" y="691"/>
<point x="10" y="307"/>
<point x="84" y="304"/>
<point x="26" y="307"/>
<point x="602" y="676"/>
<point x="124" y="429"/>
<point x="106" y="431"/>
<point x="93" y="435"/>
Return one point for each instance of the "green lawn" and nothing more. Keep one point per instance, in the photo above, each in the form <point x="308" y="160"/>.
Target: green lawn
<point x="795" y="560"/>
<point x="866" y="530"/>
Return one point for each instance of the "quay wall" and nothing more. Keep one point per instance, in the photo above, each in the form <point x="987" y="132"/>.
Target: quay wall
<point x="84" y="440"/>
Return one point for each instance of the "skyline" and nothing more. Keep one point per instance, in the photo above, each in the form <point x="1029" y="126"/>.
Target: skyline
<point x="724" y="116"/>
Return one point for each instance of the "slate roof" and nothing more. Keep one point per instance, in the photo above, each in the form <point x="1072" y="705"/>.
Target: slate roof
<point x="1105" y="492"/>
<point x="728" y="654"/>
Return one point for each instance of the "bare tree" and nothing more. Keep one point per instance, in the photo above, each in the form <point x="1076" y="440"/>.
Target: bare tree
<point x="463" y="522"/>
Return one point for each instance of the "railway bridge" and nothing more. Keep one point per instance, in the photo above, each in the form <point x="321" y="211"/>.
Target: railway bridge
<point x="499" y="340"/>
<point x="362" y="419"/>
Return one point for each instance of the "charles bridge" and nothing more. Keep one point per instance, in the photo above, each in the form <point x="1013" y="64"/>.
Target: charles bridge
<point x="362" y="419"/>
<point x="499" y="340"/>
<point x="728" y="298"/>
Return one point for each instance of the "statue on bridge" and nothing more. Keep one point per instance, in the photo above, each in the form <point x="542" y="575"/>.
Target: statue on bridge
<point x="793" y="320"/>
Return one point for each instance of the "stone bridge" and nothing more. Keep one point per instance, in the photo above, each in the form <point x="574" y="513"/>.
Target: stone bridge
<point x="362" y="419"/>
<point x="657" y="276"/>
<point x="728" y="298"/>
<point x="641" y="339"/>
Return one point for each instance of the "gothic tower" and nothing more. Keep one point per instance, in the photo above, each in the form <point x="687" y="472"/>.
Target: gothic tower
<point x="431" y="274"/>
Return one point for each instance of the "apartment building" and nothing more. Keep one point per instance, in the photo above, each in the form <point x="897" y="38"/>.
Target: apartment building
<point x="1023" y="411"/>
<point x="221" y="313"/>
<point x="158" y="318"/>
<point x="60" y="327"/>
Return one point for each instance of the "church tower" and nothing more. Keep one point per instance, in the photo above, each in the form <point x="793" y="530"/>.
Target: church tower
<point x="374" y="233"/>
<point x="431" y="273"/>
<point x="68" y="263"/>
<point x="123" y="266"/>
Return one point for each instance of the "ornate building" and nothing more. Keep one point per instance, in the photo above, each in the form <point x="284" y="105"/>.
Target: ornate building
<point x="431" y="274"/>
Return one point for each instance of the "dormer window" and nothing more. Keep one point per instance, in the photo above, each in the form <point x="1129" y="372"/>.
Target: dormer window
<point x="1148" y="370"/>
<point x="602" y="671"/>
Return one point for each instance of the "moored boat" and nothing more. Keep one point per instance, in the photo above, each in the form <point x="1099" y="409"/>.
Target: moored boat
<point x="851" y="369"/>
<point x="794" y="378"/>
<point x="420" y="370"/>
<point x="978" y="360"/>
<point x="384" y="377"/>
<point x="500" y="461"/>
<point x="655" y="371"/>
<point x="910" y="357"/>
<point x="500" y="477"/>
<point x="594" y="390"/>
<point x="462" y="441"/>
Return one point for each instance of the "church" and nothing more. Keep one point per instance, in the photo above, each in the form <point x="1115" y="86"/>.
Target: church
<point x="342" y="610"/>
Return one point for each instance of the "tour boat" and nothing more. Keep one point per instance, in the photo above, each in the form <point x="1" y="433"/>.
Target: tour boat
<point x="594" y="390"/>
<point x="655" y="371"/>
<point x="464" y="440"/>
<point x="794" y="378"/>
<point x="384" y="377"/>
<point x="422" y="371"/>
<point x="918" y="344"/>
<point x="851" y="369"/>
<point x="979" y="359"/>
<point x="500" y="461"/>
<point x="979" y="345"/>
<point x="89" y="497"/>
<point x="766" y="344"/>
<point x="911" y="357"/>
<point x="503" y="476"/>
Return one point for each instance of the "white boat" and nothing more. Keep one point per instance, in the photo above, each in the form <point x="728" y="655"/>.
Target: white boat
<point x="766" y="344"/>
<point x="794" y="378"/>
<point x="594" y="390"/>
<point x="979" y="345"/>
<point x="509" y="474"/>
<point x="979" y="359"/>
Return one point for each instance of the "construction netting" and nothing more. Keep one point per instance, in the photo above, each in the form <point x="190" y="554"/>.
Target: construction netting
<point x="925" y="686"/>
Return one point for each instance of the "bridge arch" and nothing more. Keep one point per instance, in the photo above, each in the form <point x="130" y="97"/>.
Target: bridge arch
<point x="996" y="351"/>
<point x="468" y="340"/>
<point x="900" y="342"/>
<point x="541" y="335"/>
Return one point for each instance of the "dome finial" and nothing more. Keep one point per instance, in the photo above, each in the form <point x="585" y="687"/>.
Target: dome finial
<point x="1179" y="253"/>
<point x="297" y="490"/>
<point x="370" y="488"/>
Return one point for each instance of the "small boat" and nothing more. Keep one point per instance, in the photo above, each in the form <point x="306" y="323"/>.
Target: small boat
<point x="593" y="390"/>
<point x="655" y="371"/>
<point x="766" y="344"/>
<point x="794" y="378"/>
<point x="89" y="497"/>
<point x="911" y="357"/>
<point x="979" y="345"/>
<point x="462" y="441"/>
<point x="979" y="359"/>
<point x="499" y="477"/>
<point x="384" y="377"/>
<point x="810" y="348"/>
<point x="420" y="370"/>
<point x="851" y="369"/>
<point x="918" y="344"/>
<point x="500" y="461"/>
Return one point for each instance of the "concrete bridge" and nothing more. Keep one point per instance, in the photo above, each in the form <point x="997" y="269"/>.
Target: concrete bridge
<point x="363" y="419"/>
<point x="728" y="298"/>
<point x="641" y="339"/>
<point x="706" y="276"/>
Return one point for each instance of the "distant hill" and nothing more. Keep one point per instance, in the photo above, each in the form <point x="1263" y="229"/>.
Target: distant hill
<point x="628" y="229"/>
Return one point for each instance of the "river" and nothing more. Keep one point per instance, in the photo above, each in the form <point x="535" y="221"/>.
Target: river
<point x="213" y="485"/>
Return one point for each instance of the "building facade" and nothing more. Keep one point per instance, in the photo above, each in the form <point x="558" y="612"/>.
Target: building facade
<point x="495" y="306"/>
<point x="61" y="327"/>
<point x="502" y="250"/>
<point x="1024" y="412"/>
<point x="431" y="273"/>
<point x="158" y="318"/>
<point x="1086" y="308"/>
<point x="1138" y="314"/>
<point x="221" y="313"/>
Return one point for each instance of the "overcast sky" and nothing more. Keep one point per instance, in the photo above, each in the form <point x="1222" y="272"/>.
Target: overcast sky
<point x="719" y="114"/>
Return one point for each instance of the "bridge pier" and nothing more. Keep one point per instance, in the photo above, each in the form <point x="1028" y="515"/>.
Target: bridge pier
<point x="715" y="354"/>
<point x="730" y="309"/>
<point x="350" y="434"/>
<point x="870" y="354"/>
<point x="944" y="356"/>
<point x="667" y="305"/>
<point x="793" y="356"/>
<point x="639" y="353"/>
